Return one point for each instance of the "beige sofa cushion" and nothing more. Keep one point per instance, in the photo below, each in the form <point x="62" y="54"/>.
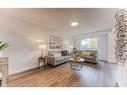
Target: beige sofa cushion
<point x="53" y="52"/>
<point x="86" y="53"/>
<point x="90" y="57"/>
<point x="58" y="59"/>
<point x="57" y="54"/>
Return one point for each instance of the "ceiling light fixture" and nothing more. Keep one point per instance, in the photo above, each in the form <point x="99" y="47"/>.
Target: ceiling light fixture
<point x="74" y="24"/>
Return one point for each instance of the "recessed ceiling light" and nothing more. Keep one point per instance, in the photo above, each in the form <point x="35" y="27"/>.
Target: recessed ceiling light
<point x="74" y="24"/>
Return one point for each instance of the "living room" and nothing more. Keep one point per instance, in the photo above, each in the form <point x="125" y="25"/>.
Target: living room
<point x="32" y="33"/>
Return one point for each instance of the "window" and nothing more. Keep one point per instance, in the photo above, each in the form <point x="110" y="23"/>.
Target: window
<point x="89" y="44"/>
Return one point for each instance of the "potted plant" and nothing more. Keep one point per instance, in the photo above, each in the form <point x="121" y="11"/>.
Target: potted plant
<point x="3" y="45"/>
<point x="75" y="54"/>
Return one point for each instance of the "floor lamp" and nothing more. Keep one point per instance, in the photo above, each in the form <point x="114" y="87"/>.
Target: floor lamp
<point x="42" y="47"/>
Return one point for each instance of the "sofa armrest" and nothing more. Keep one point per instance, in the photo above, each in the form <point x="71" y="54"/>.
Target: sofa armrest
<point x="96" y="57"/>
<point x="51" y="59"/>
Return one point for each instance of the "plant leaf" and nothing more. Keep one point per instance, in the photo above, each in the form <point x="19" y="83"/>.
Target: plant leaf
<point x="3" y="45"/>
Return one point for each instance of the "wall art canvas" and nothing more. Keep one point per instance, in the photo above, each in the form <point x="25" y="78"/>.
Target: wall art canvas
<point x="55" y="42"/>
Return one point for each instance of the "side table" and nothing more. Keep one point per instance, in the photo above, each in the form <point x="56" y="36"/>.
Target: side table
<point x="42" y="59"/>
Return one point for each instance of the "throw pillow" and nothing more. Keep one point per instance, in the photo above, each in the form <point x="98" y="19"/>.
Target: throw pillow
<point x="84" y="53"/>
<point x="65" y="52"/>
<point x="57" y="54"/>
<point x="88" y="53"/>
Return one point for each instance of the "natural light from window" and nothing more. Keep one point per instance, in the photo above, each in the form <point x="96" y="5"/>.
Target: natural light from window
<point x="89" y="44"/>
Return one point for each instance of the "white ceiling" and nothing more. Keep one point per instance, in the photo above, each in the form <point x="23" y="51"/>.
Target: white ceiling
<point x="59" y="20"/>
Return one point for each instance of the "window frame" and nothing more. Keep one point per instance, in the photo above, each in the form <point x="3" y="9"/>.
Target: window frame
<point x="81" y="48"/>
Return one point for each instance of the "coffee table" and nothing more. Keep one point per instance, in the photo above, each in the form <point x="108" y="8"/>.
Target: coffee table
<point x="76" y="64"/>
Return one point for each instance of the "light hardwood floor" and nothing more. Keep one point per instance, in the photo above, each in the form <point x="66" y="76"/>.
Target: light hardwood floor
<point x="100" y="75"/>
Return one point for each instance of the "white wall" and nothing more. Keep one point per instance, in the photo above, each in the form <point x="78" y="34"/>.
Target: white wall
<point x="77" y="43"/>
<point x="24" y="38"/>
<point x="102" y="43"/>
<point x="111" y="49"/>
<point x="102" y="47"/>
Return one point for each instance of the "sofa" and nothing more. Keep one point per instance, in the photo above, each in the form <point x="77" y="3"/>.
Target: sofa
<point x="57" y="57"/>
<point x="89" y="55"/>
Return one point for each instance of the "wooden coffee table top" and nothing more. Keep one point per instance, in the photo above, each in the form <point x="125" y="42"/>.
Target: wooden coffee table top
<point x="76" y="60"/>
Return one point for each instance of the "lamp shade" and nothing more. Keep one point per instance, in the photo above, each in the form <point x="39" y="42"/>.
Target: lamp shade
<point x="42" y="46"/>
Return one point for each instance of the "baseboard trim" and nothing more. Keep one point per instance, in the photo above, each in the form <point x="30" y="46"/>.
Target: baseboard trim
<point x="107" y="61"/>
<point x="24" y="71"/>
<point x="22" y="74"/>
<point x="111" y="62"/>
<point x="103" y="60"/>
